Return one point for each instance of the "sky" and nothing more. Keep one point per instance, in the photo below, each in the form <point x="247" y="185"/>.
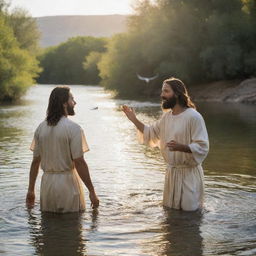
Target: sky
<point x="38" y="8"/>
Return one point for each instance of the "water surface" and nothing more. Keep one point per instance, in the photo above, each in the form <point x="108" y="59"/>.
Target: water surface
<point x="129" y="178"/>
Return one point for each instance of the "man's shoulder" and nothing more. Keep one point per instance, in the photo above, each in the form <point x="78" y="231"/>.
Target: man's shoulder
<point x="71" y="124"/>
<point x="165" y="114"/>
<point x="193" y="114"/>
<point x="43" y="123"/>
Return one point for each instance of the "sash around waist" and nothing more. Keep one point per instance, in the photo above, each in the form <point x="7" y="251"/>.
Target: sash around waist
<point x="181" y="166"/>
<point x="58" y="172"/>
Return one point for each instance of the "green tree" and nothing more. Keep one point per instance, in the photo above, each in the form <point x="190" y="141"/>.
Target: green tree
<point x="64" y="63"/>
<point x="195" y="40"/>
<point x="91" y="67"/>
<point x="25" y="29"/>
<point x="119" y="65"/>
<point x="17" y="67"/>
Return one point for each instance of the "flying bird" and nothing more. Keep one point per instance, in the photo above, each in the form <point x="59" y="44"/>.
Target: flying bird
<point x="147" y="79"/>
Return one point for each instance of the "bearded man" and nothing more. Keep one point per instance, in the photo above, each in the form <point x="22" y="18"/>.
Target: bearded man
<point x="59" y="145"/>
<point x="182" y="138"/>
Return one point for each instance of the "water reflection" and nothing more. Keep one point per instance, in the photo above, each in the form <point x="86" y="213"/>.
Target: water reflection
<point x="232" y="136"/>
<point x="129" y="179"/>
<point x="57" y="234"/>
<point x="182" y="233"/>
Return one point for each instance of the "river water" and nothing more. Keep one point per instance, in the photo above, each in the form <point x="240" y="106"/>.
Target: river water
<point x="129" y="179"/>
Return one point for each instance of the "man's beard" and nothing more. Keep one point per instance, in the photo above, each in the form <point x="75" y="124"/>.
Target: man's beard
<point x="169" y="103"/>
<point x="70" y="110"/>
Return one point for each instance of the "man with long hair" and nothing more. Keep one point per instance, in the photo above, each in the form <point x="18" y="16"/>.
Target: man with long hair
<point x="182" y="138"/>
<point x="59" y="145"/>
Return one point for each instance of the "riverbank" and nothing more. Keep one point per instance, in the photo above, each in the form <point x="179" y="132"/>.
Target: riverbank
<point x="221" y="91"/>
<point x="226" y="91"/>
<point x="233" y="91"/>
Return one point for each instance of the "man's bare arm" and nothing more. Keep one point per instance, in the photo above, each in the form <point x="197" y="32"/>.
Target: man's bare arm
<point x="34" y="168"/>
<point x="132" y="117"/>
<point x="140" y="126"/>
<point x="185" y="148"/>
<point x="83" y="171"/>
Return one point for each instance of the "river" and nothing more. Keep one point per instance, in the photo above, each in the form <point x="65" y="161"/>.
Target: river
<point x="128" y="179"/>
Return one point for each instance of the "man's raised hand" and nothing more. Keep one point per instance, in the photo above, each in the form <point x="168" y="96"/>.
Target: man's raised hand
<point x="130" y="113"/>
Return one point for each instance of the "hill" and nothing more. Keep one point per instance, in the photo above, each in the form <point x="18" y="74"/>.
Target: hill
<point x="57" y="29"/>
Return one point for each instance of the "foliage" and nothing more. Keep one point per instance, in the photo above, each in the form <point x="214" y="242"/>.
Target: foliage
<point x="17" y="66"/>
<point x="195" y="40"/>
<point x="18" y="46"/>
<point x="63" y="64"/>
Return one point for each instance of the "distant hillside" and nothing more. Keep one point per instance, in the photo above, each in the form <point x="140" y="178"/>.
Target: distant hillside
<point x="57" y="29"/>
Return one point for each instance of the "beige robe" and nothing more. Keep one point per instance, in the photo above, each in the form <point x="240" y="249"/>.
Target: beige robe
<point x="61" y="189"/>
<point x="184" y="178"/>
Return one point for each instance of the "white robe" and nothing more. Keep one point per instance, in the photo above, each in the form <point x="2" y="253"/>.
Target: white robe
<point x="61" y="189"/>
<point x="184" y="178"/>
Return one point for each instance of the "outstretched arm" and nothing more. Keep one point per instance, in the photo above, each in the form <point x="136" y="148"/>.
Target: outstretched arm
<point x="30" y="200"/>
<point x="84" y="174"/>
<point x="132" y="117"/>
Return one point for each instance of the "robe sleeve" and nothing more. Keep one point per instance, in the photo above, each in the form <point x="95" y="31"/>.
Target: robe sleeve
<point x="78" y="143"/>
<point x="150" y="135"/>
<point x="35" y="144"/>
<point x="199" y="145"/>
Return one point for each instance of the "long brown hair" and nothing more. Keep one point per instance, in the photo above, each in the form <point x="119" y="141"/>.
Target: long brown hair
<point x="181" y="92"/>
<point x="55" y="110"/>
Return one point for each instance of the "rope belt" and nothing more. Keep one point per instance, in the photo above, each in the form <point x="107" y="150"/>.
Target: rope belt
<point x="57" y="171"/>
<point x="181" y="166"/>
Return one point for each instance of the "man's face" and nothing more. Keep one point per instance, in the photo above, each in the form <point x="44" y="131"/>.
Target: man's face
<point x="169" y="99"/>
<point x="70" y="105"/>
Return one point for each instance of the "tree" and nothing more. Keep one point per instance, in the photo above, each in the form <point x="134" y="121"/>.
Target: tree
<point x="196" y="40"/>
<point x="25" y="29"/>
<point x="90" y="66"/>
<point x="64" y="63"/>
<point x="118" y="66"/>
<point x="17" y="68"/>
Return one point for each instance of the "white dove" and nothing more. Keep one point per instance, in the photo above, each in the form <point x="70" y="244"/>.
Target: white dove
<point x="147" y="79"/>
